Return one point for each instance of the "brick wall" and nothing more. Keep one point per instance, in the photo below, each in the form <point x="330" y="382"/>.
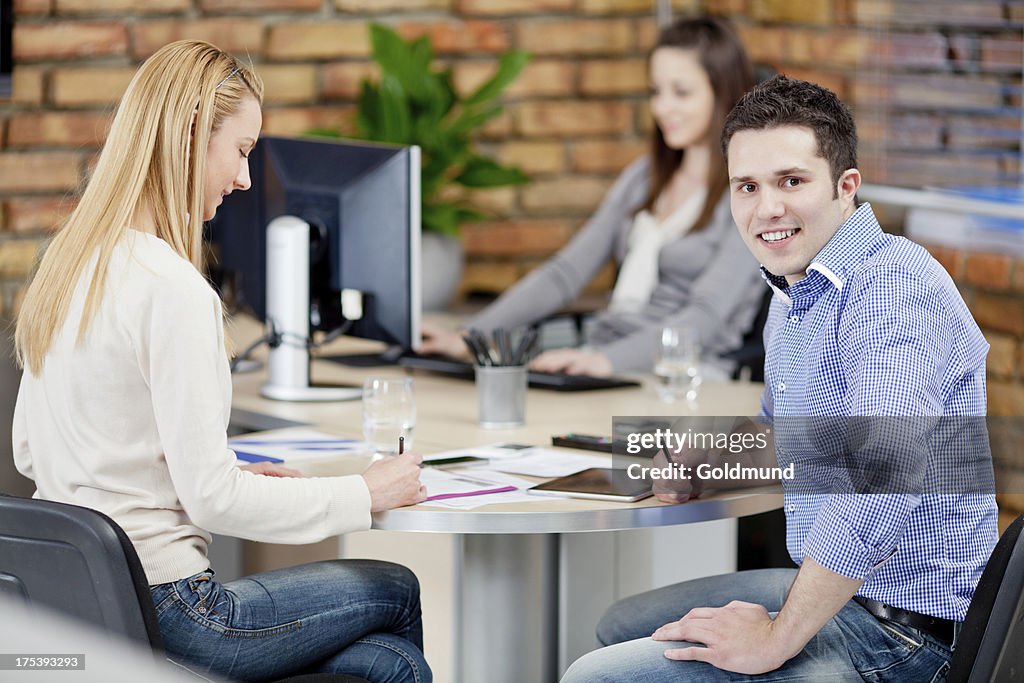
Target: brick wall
<point x="934" y="84"/>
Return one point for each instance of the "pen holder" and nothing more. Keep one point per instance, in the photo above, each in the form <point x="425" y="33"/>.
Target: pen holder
<point x="501" y="396"/>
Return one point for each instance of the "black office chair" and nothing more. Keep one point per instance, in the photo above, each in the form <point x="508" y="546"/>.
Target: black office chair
<point x="991" y="642"/>
<point x="750" y="354"/>
<point x="78" y="562"/>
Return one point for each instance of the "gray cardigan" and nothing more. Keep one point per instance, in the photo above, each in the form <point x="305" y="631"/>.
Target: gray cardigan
<point x="707" y="280"/>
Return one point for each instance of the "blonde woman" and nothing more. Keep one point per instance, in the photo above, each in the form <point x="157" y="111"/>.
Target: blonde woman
<point x="124" y="403"/>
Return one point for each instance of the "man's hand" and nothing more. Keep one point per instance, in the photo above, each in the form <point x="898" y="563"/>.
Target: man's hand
<point x="573" y="362"/>
<point x="271" y="469"/>
<point x="394" y="481"/>
<point x="436" y="339"/>
<point x="672" y="490"/>
<point x="739" y="637"/>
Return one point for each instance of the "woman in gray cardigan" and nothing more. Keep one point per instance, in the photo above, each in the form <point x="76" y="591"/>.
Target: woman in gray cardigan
<point x="666" y="222"/>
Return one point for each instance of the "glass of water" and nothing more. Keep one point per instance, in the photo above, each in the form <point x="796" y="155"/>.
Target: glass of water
<point x="389" y="411"/>
<point x="677" y="363"/>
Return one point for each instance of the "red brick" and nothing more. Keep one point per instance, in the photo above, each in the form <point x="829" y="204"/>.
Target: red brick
<point x="343" y="80"/>
<point x="999" y="313"/>
<point x="561" y="194"/>
<point x="318" y="40"/>
<point x="497" y="202"/>
<point x="121" y="6"/>
<point x="573" y="119"/>
<point x="68" y="39"/>
<point x="795" y="11"/>
<point x="911" y="50"/>
<point x="39" y="171"/>
<point x="289" y="83"/>
<point x="1002" y="356"/>
<point x="634" y="6"/>
<point x="379" y="6"/>
<point x="613" y="77"/>
<point x="539" y="77"/>
<point x="902" y="130"/>
<point x="499" y="128"/>
<point x="1005" y="399"/>
<point x="25" y="8"/>
<point x="727" y="8"/>
<point x="765" y="44"/>
<point x="1001" y="54"/>
<point x="512" y="6"/>
<point x="606" y="156"/>
<point x="299" y="120"/>
<point x="1018" y="275"/>
<point x="258" y="6"/>
<point x="567" y="37"/>
<point x="516" y="237"/>
<point x="18" y="257"/>
<point x="988" y="271"/>
<point x="235" y="35"/>
<point x="534" y="157"/>
<point x="488" y="276"/>
<point x="27" y="85"/>
<point x="978" y="132"/>
<point x="949" y="258"/>
<point x="58" y="129"/>
<point x="847" y="48"/>
<point x="75" y="87"/>
<point x="38" y="214"/>
<point x="932" y="91"/>
<point x="450" y="37"/>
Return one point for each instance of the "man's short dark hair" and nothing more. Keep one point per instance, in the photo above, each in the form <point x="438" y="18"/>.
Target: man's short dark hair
<point x="782" y="101"/>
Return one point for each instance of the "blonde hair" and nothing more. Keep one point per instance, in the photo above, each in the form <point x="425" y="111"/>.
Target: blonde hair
<point x="154" y="158"/>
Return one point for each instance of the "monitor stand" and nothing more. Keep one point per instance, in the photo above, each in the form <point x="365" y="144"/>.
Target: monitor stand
<point x="288" y="314"/>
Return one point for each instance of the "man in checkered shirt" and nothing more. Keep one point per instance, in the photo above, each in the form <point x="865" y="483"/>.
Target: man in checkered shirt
<point x="868" y="330"/>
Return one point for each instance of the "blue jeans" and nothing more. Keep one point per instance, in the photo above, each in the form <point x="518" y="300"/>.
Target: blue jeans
<point x="358" y="617"/>
<point x="853" y="646"/>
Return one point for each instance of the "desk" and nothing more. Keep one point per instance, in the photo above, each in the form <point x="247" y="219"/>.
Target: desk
<point x="526" y="577"/>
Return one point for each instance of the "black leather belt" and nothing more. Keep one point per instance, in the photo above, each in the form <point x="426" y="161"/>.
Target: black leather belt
<point x="940" y="628"/>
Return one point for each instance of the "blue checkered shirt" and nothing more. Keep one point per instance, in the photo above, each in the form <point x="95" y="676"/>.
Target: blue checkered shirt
<point x="877" y="328"/>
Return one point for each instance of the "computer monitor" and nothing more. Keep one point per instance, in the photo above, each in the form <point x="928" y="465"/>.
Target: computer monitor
<point x="362" y="202"/>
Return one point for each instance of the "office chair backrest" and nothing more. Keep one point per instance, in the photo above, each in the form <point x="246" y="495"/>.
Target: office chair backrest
<point x="76" y="561"/>
<point x="991" y="642"/>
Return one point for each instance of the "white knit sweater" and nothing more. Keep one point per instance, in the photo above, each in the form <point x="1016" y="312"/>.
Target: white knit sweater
<point x="132" y="422"/>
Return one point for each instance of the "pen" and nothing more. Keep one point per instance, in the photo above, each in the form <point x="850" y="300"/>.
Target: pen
<point x="401" y="445"/>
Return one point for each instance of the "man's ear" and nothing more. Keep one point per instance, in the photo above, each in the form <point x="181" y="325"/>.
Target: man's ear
<point x="849" y="183"/>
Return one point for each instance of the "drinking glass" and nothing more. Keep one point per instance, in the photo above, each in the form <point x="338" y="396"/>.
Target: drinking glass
<point x="389" y="411"/>
<point x="677" y="363"/>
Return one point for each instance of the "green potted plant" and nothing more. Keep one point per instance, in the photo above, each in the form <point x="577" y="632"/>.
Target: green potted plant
<point x="415" y="103"/>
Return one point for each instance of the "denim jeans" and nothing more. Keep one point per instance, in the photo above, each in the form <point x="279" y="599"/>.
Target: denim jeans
<point x="853" y="646"/>
<point x="358" y="617"/>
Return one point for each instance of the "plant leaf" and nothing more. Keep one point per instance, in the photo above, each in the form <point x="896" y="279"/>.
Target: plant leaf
<point x="394" y="117"/>
<point x="509" y="66"/>
<point x="485" y="172"/>
<point x="440" y="217"/>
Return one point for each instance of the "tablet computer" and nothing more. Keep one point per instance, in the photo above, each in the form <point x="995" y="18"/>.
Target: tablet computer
<point x="599" y="483"/>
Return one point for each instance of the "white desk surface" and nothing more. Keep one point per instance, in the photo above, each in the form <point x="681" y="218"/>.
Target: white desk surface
<point x="446" y="420"/>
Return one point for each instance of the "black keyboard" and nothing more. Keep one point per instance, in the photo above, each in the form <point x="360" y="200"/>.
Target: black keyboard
<point x="538" y="380"/>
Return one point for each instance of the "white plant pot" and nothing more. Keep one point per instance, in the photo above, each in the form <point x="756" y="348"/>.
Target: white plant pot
<point x="442" y="263"/>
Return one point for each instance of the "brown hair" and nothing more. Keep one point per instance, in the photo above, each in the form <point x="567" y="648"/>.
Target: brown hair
<point x="722" y="56"/>
<point x="782" y="101"/>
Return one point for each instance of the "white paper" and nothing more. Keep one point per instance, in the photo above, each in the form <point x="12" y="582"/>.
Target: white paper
<point x="546" y="463"/>
<point x="440" y="482"/>
<point x="489" y="452"/>
<point x="295" y="445"/>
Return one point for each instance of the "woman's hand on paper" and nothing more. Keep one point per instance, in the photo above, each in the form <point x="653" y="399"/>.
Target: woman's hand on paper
<point x="394" y="481"/>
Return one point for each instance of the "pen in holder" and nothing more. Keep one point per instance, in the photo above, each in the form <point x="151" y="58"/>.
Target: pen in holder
<point x="501" y="377"/>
